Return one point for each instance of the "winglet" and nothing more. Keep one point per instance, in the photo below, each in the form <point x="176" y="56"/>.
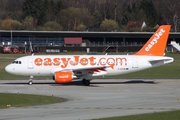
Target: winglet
<point x="157" y="43"/>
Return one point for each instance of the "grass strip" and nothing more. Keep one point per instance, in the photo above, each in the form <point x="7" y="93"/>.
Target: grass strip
<point x="22" y="100"/>
<point x="172" y="115"/>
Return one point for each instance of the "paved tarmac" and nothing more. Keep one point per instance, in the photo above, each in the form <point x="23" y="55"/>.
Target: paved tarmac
<point x="104" y="98"/>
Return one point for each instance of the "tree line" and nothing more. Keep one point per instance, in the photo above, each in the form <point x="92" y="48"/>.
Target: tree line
<point x="87" y="15"/>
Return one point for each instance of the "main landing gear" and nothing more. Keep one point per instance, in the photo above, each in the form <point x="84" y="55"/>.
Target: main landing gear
<point x="30" y="80"/>
<point x="86" y="82"/>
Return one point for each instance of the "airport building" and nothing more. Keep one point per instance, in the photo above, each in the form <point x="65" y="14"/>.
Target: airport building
<point x="44" y="41"/>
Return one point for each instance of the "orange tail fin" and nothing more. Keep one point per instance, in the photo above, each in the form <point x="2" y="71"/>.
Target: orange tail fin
<point x="157" y="43"/>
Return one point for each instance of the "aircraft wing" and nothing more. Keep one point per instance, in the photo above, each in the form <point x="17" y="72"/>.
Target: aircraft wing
<point x="83" y="71"/>
<point x="90" y="68"/>
<point x="94" y="70"/>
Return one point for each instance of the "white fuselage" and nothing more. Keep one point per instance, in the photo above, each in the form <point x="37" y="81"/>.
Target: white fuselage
<point x="46" y="65"/>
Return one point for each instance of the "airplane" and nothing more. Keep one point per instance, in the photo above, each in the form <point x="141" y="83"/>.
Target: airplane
<point x="69" y="68"/>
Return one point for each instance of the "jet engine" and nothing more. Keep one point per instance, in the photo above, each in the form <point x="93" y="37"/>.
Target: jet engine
<point x="63" y="77"/>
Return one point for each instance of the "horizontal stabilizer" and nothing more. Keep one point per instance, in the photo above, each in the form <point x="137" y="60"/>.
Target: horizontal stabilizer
<point x="161" y="61"/>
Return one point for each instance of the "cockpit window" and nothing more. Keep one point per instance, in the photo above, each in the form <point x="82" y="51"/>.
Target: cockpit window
<point x="16" y="62"/>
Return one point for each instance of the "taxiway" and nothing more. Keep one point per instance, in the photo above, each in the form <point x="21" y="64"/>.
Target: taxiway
<point x="103" y="98"/>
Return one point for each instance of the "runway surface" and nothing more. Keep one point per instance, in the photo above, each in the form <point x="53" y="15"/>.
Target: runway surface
<point x="104" y="98"/>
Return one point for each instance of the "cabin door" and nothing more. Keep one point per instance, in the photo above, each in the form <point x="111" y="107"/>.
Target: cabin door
<point x="135" y="62"/>
<point x="30" y="63"/>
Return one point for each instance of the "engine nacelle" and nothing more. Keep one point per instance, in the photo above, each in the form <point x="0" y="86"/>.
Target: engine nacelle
<point x="63" y="77"/>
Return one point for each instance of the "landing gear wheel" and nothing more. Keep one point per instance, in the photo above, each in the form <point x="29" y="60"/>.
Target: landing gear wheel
<point x="30" y="82"/>
<point x="86" y="82"/>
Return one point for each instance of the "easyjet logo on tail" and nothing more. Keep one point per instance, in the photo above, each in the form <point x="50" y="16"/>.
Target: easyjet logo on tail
<point x="154" y="41"/>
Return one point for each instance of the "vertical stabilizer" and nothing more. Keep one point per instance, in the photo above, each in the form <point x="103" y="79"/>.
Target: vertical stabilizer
<point x="157" y="43"/>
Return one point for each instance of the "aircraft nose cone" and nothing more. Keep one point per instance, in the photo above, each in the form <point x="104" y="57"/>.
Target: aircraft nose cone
<point x="8" y="69"/>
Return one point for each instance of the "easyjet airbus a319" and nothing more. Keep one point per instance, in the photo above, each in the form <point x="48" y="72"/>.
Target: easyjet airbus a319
<point x="69" y="68"/>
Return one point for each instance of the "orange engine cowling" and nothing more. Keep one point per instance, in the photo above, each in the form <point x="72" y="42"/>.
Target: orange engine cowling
<point x="63" y="77"/>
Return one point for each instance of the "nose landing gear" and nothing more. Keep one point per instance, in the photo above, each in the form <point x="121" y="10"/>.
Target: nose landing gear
<point x="30" y="80"/>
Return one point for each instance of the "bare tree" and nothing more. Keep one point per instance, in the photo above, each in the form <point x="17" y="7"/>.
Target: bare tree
<point x="170" y="11"/>
<point x="175" y="10"/>
<point x="4" y="3"/>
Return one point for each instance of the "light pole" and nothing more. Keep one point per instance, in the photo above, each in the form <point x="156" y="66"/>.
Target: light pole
<point x="25" y="47"/>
